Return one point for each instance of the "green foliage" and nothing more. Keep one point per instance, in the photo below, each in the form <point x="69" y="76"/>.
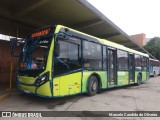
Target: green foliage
<point x="153" y="46"/>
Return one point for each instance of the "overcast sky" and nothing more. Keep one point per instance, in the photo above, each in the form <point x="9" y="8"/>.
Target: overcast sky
<point x="132" y="16"/>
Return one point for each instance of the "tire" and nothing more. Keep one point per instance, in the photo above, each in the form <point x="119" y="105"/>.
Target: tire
<point x="92" y="86"/>
<point x="139" y="79"/>
<point x="154" y="74"/>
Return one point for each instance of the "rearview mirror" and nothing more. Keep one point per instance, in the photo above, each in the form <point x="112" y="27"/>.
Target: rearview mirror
<point x="13" y="45"/>
<point x="57" y="49"/>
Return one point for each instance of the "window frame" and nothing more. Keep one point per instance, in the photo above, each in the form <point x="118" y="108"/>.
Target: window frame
<point x="79" y="50"/>
<point x="139" y="61"/>
<point x="127" y="60"/>
<point x="101" y="52"/>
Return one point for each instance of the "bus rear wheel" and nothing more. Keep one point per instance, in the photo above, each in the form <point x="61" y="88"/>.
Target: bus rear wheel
<point x="154" y="74"/>
<point x="92" y="86"/>
<point x="139" y="79"/>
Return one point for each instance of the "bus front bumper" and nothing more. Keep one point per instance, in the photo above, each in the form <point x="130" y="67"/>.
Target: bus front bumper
<point x="42" y="91"/>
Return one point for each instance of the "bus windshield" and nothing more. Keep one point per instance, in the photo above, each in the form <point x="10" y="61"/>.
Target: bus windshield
<point x="35" y="53"/>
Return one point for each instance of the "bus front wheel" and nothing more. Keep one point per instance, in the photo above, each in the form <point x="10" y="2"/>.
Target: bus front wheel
<point x="92" y="86"/>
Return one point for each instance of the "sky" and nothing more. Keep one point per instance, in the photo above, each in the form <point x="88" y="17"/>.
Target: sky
<point x="132" y="16"/>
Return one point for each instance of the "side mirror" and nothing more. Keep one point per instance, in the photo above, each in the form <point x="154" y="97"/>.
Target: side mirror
<point x="13" y="45"/>
<point x="57" y="49"/>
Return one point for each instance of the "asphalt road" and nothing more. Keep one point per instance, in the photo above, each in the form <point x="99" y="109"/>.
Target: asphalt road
<point x="145" y="97"/>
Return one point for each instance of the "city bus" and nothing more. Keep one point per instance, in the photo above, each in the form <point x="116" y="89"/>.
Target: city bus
<point x="154" y="67"/>
<point x="58" y="61"/>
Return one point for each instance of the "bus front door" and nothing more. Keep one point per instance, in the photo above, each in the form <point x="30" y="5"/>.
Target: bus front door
<point x="131" y="68"/>
<point x="112" y="72"/>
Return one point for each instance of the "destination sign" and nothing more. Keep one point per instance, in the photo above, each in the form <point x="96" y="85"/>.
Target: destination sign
<point x="40" y="33"/>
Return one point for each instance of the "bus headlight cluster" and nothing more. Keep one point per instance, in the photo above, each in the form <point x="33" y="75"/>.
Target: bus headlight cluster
<point x="42" y="79"/>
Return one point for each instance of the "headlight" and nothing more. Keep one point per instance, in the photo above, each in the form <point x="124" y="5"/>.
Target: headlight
<point x="42" y="79"/>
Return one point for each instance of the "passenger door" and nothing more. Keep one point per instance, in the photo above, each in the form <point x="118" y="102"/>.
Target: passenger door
<point x="131" y="68"/>
<point x="112" y="72"/>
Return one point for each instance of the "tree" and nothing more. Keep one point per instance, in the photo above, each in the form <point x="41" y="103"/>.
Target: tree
<point x="153" y="47"/>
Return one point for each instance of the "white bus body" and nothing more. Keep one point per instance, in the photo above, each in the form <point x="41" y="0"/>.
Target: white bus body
<point x="154" y="67"/>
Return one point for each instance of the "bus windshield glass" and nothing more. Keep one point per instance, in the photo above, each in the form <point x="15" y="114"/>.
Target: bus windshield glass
<point x="35" y="53"/>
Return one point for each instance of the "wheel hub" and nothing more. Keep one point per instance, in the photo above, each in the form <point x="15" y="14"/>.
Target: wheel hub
<point x="94" y="86"/>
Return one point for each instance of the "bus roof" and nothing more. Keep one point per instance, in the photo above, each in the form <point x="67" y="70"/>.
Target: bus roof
<point x="154" y="59"/>
<point x="112" y="44"/>
<point x="105" y="42"/>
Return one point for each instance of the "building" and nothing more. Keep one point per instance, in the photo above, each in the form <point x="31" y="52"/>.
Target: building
<point x="8" y="63"/>
<point x="140" y="39"/>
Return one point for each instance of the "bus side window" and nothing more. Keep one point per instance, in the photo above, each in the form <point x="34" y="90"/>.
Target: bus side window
<point x="138" y="62"/>
<point x="122" y="60"/>
<point x="92" y="55"/>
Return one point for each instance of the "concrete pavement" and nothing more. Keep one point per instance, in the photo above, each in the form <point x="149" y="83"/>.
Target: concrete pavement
<point x="145" y="97"/>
